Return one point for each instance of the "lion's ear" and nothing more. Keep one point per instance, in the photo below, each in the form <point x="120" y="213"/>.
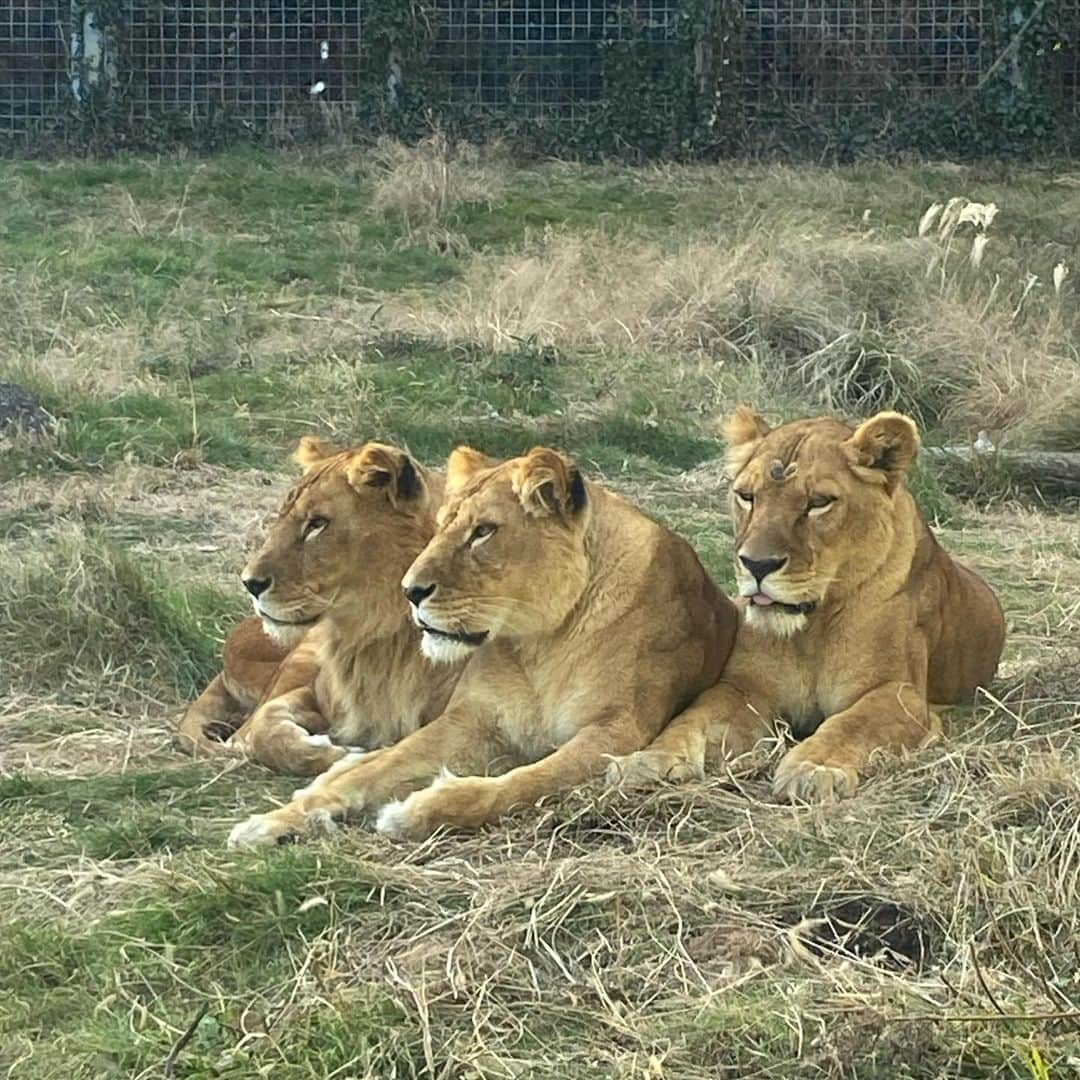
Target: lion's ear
<point x="464" y="462"/>
<point x="548" y="484"/>
<point x="386" y="467"/>
<point x="887" y="444"/>
<point x="310" y="451"/>
<point x="742" y="431"/>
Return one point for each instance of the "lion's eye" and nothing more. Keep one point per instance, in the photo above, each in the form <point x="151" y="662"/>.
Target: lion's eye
<point x="819" y="502"/>
<point x="314" y="526"/>
<point x="745" y="498"/>
<point x="482" y="532"/>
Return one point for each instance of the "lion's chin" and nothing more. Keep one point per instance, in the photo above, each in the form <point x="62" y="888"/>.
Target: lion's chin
<point x="773" y="620"/>
<point x="286" y="634"/>
<point x="445" y="650"/>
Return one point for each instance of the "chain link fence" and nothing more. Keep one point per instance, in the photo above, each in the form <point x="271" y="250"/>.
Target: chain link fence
<point x="261" y="62"/>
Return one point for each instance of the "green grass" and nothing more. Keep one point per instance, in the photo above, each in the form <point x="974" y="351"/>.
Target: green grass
<point x="233" y="937"/>
<point x="209" y="261"/>
<point x="145" y="238"/>
<point x="427" y="397"/>
<point x="94" y="799"/>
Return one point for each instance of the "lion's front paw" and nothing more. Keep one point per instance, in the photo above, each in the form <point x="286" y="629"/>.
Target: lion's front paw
<point x="800" y="780"/>
<point x="259" y="830"/>
<point x="460" y="802"/>
<point x="277" y="827"/>
<point x="399" y="821"/>
<point x="647" y="768"/>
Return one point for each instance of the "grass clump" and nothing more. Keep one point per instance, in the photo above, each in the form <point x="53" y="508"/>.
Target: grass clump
<point x="849" y="319"/>
<point x="227" y="943"/>
<point x="423" y="184"/>
<point x="102" y="622"/>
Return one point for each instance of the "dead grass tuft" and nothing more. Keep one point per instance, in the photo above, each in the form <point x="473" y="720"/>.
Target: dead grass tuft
<point x="422" y="184"/>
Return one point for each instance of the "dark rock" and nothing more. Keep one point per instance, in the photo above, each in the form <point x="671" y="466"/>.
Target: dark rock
<point x="21" y="411"/>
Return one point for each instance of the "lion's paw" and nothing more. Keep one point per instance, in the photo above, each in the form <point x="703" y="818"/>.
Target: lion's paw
<point x="648" y="768"/>
<point x="460" y="802"/>
<point x="812" y="782"/>
<point x="262" y="830"/>
<point x="259" y="830"/>
<point x="393" y="819"/>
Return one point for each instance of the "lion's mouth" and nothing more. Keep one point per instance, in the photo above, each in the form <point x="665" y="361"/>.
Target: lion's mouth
<point x="460" y="638"/>
<point x="760" y="599"/>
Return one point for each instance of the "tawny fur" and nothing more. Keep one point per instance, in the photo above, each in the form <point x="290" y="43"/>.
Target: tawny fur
<point x="357" y="674"/>
<point x="255" y="666"/>
<point x="898" y="628"/>
<point x="601" y="626"/>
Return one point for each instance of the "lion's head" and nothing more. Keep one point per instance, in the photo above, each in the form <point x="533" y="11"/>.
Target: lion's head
<point x="343" y="537"/>
<point x="508" y="559"/>
<point x="815" y="507"/>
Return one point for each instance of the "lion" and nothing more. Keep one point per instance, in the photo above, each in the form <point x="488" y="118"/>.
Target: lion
<point x="328" y="576"/>
<point x="586" y="627"/>
<point x="855" y="624"/>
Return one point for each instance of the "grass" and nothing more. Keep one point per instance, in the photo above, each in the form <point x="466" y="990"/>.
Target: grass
<point x="95" y="608"/>
<point x="186" y="320"/>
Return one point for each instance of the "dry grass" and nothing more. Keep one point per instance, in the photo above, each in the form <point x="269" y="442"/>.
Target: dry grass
<point x="699" y="931"/>
<point x="425" y="183"/>
<point x="852" y="320"/>
<point x="99" y="362"/>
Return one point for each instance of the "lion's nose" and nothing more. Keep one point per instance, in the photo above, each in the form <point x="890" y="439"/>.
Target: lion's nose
<point x="761" y="568"/>
<point x="417" y="594"/>
<point x="256" y="585"/>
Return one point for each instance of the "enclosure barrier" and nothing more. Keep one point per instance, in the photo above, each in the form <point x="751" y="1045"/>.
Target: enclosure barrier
<point x="645" y="77"/>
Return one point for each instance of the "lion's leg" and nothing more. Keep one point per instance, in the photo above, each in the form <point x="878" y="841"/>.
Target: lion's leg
<point x="471" y="801"/>
<point x="459" y="740"/>
<point x="826" y="765"/>
<point x="210" y="718"/>
<point x="254" y="669"/>
<point x="288" y="734"/>
<point x="720" y="724"/>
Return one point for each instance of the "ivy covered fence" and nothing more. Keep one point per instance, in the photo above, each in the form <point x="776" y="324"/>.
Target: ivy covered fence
<point x="634" y="79"/>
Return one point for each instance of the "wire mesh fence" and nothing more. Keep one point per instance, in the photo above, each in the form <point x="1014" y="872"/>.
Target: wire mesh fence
<point x="252" y="59"/>
<point x="536" y="55"/>
<point x="1063" y="64"/>
<point x="34" y="47"/>
<point x="260" y="60"/>
<point x="834" y="55"/>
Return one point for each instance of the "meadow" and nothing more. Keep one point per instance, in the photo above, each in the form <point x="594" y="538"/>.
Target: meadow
<point x="186" y="319"/>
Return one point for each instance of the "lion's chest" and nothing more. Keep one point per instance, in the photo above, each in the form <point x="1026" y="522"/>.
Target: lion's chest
<point x="537" y="727"/>
<point x="797" y="704"/>
<point x="805" y="694"/>
<point x="373" y="701"/>
<point x="538" y="711"/>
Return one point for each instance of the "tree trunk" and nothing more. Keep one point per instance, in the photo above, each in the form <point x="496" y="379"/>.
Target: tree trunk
<point x="1045" y="470"/>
